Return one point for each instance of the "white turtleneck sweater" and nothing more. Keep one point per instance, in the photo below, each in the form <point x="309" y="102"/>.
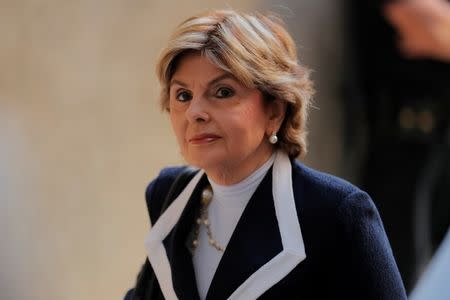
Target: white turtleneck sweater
<point x="226" y="207"/>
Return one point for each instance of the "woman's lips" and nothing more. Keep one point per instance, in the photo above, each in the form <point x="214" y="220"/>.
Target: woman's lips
<point x="203" y="138"/>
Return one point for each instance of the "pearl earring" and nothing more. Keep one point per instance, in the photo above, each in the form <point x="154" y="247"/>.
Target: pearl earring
<point x="273" y="139"/>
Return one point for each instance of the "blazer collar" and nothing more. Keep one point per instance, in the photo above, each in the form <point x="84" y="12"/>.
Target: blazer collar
<point x="265" y="246"/>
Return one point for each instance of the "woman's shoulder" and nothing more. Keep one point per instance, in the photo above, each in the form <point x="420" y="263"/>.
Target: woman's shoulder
<point x="170" y="172"/>
<point x="331" y="201"/>
<point x="165" y="178"/>
<point x="318" y="179"/>
<point x="325" y="189"/>
<point x="157" y="190"/>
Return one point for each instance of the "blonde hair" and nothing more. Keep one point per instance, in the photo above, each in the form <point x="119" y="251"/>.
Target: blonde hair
<point x="258" y="51"/>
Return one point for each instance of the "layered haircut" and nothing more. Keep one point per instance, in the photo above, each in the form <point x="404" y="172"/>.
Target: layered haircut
<point x="259" y="52"/>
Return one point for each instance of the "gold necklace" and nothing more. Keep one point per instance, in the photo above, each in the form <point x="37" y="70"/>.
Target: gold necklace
<point x="207" y="196"/>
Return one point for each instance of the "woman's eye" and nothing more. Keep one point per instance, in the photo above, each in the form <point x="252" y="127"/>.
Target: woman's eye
<point x="224" y="92"/>
<point x="184" y="96"/>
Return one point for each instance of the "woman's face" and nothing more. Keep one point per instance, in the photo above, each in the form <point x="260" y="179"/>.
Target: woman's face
<point x="221" y="126"/>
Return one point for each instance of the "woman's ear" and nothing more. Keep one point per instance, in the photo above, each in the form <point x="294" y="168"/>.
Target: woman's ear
<point x="276" y="112"/>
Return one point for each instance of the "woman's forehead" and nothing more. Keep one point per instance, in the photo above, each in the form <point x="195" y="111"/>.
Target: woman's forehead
<point x="198" y="66"/>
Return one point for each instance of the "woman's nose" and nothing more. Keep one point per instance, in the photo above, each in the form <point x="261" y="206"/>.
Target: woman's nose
<point x="197" y="110"/>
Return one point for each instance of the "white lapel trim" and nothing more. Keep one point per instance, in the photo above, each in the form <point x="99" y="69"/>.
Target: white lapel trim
<point x="291" y="236"/>
<point x="154" y="240"/>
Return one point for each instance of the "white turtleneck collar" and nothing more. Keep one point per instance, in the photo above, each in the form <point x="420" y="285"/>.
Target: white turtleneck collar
<point x="238" y="194"/>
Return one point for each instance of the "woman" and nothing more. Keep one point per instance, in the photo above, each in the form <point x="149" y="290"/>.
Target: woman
<point x="253" y="222"/>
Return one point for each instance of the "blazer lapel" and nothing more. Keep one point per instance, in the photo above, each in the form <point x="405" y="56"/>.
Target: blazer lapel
<point x="264" y="247"/>
<point x="255" y="241"/>
<point x="178" y="251"/>
<point x="165" y="244"/>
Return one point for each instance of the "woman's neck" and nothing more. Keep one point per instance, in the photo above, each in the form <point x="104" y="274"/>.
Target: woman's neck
<point x="233" y="174"/>
<point x="241" y="191"/>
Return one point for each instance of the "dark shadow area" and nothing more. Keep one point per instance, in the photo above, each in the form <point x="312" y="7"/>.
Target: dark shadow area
<point x="403" y="104"/>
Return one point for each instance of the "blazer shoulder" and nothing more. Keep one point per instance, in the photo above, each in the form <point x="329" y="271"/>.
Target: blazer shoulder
<point x="156" y="190"/>
<point x="325" y="195"/>
<point x="322" y="184"/>
<point x="341" y="224"/>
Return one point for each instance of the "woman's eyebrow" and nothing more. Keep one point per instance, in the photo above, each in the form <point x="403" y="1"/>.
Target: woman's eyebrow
<point x="211" y="82"/>
<point x="221" y="77"/>
<point x="174" y="81"/>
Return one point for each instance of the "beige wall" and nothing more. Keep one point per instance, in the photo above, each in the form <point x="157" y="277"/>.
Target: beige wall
<point x="81" y="135"/>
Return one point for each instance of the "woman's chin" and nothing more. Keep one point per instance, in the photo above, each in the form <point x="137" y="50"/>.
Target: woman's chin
<point x="206" y="161"/>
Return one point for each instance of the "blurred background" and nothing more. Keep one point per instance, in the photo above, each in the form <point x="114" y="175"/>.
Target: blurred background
<point x="81" y="133"/>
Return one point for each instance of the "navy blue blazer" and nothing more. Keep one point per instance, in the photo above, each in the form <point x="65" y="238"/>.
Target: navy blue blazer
<point x="348" y="255"/>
